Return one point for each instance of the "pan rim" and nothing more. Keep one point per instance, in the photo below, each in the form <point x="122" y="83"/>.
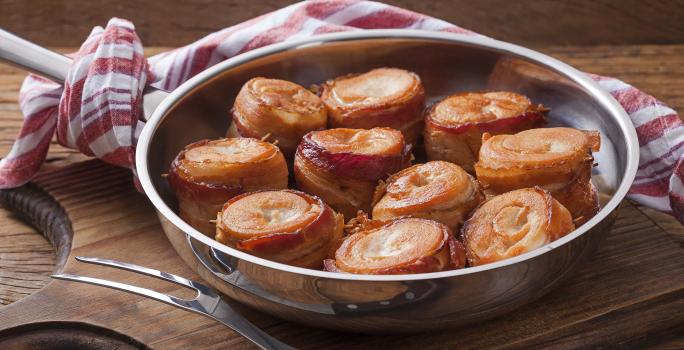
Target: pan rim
<point x="601" y="96"/>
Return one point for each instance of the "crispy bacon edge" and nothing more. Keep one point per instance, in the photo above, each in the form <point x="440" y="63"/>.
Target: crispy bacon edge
<point x="199" y="191"/>
<point x="325" y="222"/>
<point x="452" y="249"/>
<point x="353" y="166"/>
<point x="531" y="119"/>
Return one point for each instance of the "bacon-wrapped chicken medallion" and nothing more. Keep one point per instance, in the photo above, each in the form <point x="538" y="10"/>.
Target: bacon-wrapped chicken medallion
<point x="454" y="126"/>
<point x="343" y="166"/>
<point x="286" y="226"/>
<point x="514" y="223"/>
<point x="278" y="111"/>
<point x="436" y="190"/>
<point x="401" y="246"/>
<point x="557" y="159"/>
<point x="388" y="97"/>
<point x="206" y="174"/>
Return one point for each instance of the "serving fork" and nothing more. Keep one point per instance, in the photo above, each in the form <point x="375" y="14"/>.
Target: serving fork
<point x="207" y="302"/>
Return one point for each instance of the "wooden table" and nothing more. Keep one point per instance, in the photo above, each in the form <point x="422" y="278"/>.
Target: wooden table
<point x="655" y="319"/>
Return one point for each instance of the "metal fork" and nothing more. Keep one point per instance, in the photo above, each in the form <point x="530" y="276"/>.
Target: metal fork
<point x="207" y="302"/>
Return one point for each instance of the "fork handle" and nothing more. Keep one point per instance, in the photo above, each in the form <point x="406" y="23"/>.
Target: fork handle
<point x="226" y="315"/>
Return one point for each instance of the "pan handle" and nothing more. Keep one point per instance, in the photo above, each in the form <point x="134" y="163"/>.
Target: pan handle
<point x="34" y="58"/>
<point x="54" y="66"/>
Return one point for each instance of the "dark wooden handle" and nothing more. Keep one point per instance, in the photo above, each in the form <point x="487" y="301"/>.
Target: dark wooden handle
<point x="39" y="209"/>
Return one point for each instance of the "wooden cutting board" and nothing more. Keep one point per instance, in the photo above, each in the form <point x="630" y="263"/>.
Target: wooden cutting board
<point x="630" y="295"/>
<point x="631" y="292"/>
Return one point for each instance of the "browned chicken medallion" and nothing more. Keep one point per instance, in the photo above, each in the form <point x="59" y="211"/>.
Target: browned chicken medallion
<point x="556" y="159"/>
<point x="343" y="166"/>
<point x="286" y="226"/>
<point x="206" y="174"/>
<point x="454" y="126"/>
<point x="278" y="111"/>
<point x="401" y="246"/>
<point x="514" y="223"/>
<point x="436" y="190"/>
<point x="389" y="97"/>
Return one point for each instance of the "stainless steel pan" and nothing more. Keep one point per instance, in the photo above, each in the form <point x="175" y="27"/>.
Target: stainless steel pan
<point x="447" y="63"/>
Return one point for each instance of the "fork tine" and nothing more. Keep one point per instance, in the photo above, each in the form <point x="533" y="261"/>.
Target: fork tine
<point x="168" y="299"/>
<point x="145" y="271"/>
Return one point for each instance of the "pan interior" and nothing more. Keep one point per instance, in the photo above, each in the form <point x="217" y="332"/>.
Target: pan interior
<point x="445" y="68"/>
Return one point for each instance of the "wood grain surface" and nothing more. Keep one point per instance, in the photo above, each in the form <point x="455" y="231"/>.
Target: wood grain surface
<point x="26" y="257"/>
<point x="529" y="22"/>
<point x="630" y="295"/>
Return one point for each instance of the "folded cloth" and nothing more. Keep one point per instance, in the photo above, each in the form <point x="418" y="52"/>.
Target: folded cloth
<point x="97" y="110"/>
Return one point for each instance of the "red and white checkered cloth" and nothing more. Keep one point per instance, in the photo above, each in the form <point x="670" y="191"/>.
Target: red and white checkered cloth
<point x="97" y="110"/>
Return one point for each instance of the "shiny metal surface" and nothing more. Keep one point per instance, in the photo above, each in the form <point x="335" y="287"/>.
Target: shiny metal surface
<point x="207" y="302"/>
<point x="447" y="63"/>
<point x="34" y="58"/>
<point x="54" y="66"/>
